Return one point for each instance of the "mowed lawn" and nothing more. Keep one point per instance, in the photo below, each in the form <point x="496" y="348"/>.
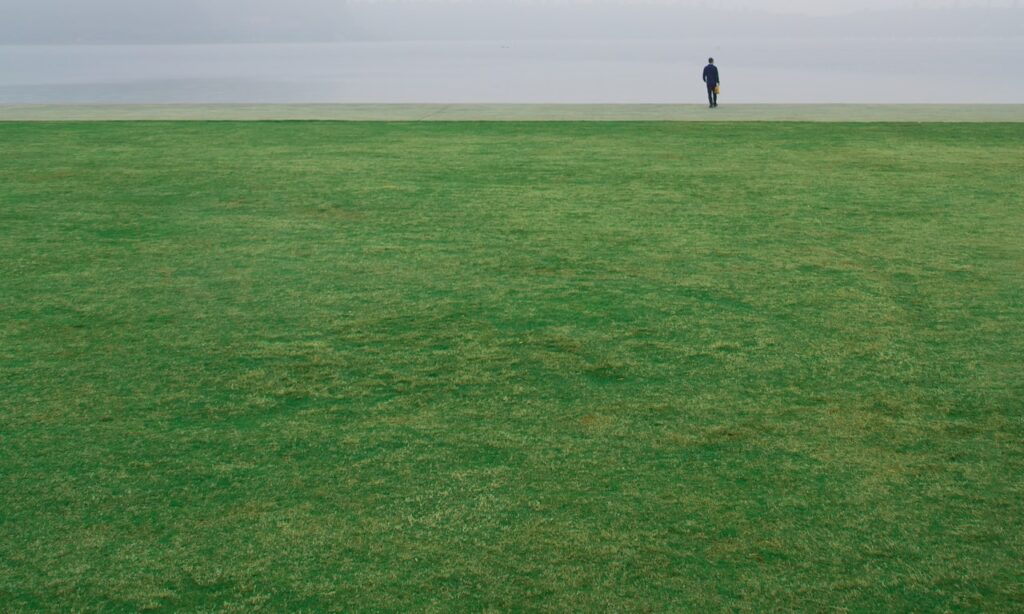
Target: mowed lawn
<point x="511" y="366"/>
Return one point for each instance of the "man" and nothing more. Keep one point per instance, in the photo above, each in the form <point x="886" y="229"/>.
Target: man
<point x="711" y="80"/>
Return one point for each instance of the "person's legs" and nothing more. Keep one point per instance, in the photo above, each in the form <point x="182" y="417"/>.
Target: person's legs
<point x="711" y="97"/>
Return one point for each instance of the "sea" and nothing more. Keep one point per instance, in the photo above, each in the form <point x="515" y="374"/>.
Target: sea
<point x="785" y="71"/>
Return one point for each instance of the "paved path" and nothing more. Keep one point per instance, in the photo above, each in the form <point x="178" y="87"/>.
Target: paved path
<point x="520" y="112"/>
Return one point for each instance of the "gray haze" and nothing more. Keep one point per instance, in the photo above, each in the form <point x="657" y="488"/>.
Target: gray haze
<point x="250" y="51"/>
<point x="307" y="21"/>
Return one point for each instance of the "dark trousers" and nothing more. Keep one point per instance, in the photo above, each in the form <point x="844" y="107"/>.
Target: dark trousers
<point x="712" y="96"/>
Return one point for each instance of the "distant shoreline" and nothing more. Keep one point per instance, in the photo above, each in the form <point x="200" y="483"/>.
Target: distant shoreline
<point x="1003" y="113"/>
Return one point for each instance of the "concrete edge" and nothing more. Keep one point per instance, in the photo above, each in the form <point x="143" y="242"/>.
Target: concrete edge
<point x="1003" y="113"/>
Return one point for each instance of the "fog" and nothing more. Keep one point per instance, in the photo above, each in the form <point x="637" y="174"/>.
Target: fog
<point x="633" y="51"/>
<point x="309" y="21"/>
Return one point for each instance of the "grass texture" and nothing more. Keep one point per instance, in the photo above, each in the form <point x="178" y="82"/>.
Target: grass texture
<point x="508" y="366"/>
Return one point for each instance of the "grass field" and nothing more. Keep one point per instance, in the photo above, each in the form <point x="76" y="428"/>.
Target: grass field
<point x="562" y="366"/>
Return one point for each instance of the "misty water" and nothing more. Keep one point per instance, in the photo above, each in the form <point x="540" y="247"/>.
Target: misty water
<point x="970" y="70"/>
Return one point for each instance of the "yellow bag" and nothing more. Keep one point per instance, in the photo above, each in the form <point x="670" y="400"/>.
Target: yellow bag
<point x="718" y="89"/>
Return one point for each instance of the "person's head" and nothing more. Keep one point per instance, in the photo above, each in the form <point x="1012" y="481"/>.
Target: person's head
<point x="711" y="60"/>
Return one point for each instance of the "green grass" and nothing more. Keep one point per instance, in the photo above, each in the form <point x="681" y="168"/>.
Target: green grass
<point x="618" y="366"/>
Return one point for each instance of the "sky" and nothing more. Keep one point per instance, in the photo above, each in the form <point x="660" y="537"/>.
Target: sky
<point x="189" y="21"/>
<point x="806" y="7"/>
<point x="140" y="51"/>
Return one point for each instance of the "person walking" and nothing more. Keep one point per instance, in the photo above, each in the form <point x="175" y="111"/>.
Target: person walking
<point x="712" y="81"/>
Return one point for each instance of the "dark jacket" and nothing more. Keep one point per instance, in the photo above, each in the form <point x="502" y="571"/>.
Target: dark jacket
<point x="711" y="75"/>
